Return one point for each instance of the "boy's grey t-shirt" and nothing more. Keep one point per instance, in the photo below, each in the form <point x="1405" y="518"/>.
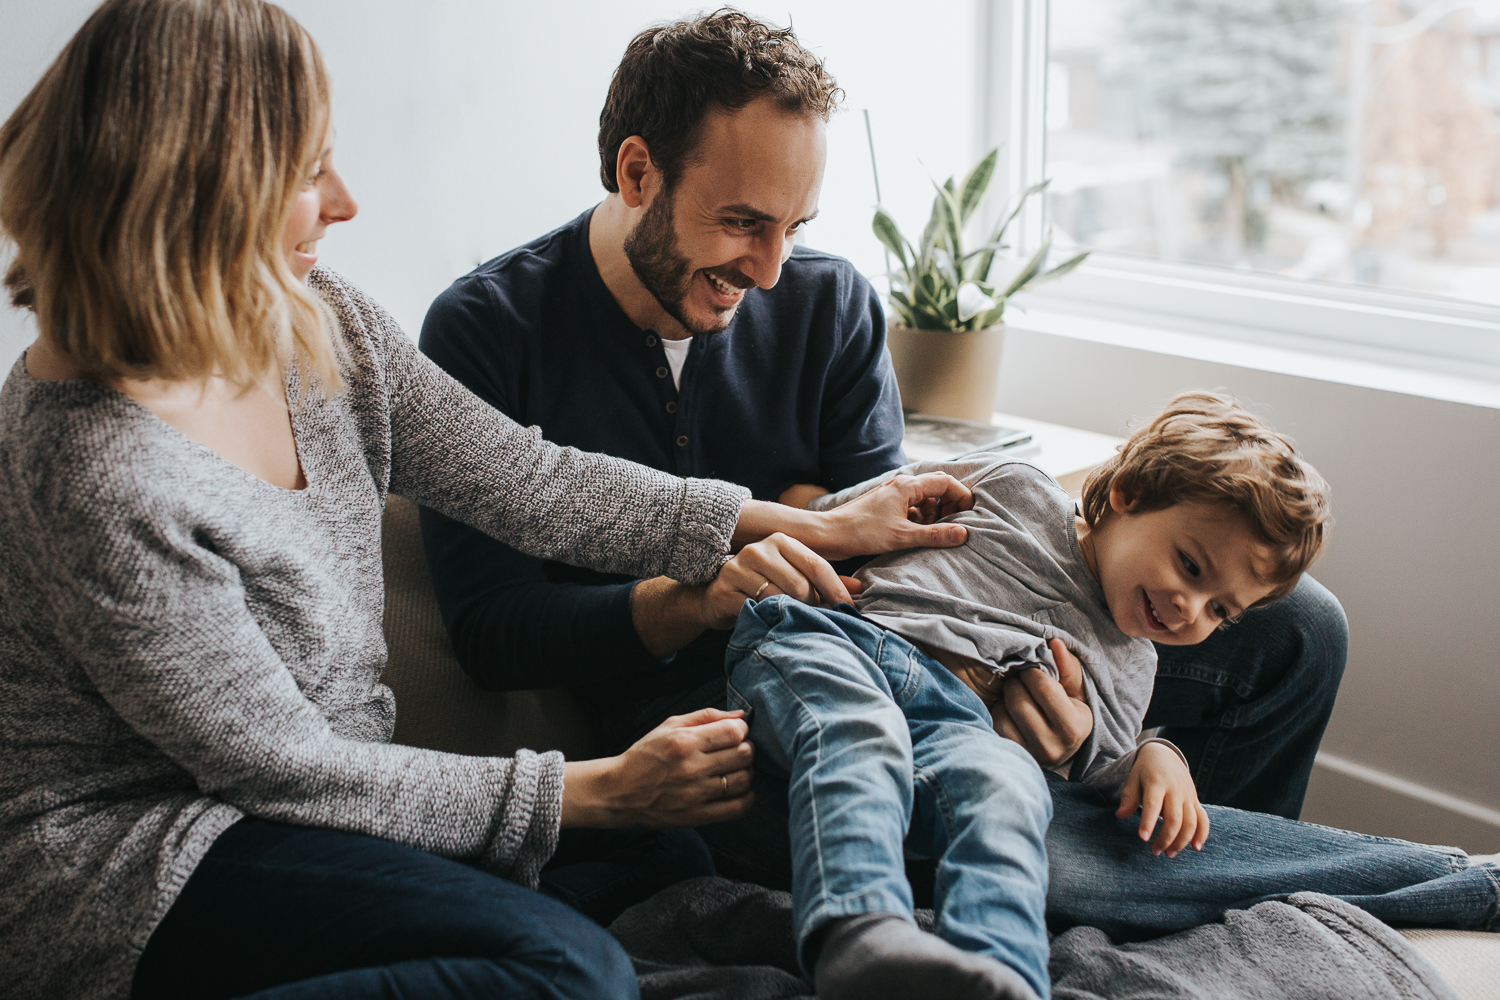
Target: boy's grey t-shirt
<point x="1019" y="581"/>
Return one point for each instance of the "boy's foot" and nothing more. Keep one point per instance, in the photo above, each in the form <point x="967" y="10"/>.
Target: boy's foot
<point x="1484" y="859"/>
<point x="880" y="956"/>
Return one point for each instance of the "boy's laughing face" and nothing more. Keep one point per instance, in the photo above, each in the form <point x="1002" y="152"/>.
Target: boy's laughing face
<point x="1174" y="575"/>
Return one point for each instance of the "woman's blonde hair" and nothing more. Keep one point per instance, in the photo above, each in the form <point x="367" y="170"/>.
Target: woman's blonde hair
<point x="146" y="181"/>
<point x="1206" y="448"/>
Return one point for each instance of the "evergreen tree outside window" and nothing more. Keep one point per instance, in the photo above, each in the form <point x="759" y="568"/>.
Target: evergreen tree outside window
<point x="1353" y="142"/>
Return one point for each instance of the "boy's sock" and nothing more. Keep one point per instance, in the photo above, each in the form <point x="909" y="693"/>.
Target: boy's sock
<point x="880" y="956"/>
<point x="1484" y="859"/>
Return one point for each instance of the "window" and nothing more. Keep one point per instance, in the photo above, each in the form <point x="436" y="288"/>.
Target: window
<point x="1353" y="142"/>
<point x="1312" y="168"/>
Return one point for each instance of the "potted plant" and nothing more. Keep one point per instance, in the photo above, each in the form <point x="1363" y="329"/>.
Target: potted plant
<point x="946" y="345"/>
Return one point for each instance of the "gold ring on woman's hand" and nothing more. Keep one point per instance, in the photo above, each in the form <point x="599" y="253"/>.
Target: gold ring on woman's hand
<point x="760" y="591"/>
<point x="725" y="779"/>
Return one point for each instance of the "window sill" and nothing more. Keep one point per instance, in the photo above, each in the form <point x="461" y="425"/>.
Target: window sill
<point x="1372" y="368"/>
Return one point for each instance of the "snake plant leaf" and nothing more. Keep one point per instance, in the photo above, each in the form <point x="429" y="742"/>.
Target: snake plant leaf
<point x="983" y="265"/>
<point x="946" y="266"/>
<point x="928" y="317"/>
<point x="1013" y="211"/>
<point x="927" y="306"/>
<point x="889" y="235"/>
<point x="1066" y="267"/>
<point x="1030" y="271"/>
<point x="991" y="318"/>
<point x="976" y="259"/>
<point x="940" y="286"/>
<point x="972" y="301"/>
<point x="903" y="308"/>
<point x="976" y="184"/>
<point x="947" y="207"/>
<point x="924" y="292"/>
<point x="933" y="233"/>
<point x="982" y="248"/>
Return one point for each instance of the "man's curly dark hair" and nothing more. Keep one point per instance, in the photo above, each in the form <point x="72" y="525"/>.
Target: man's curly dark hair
<point x="674" y="75"/>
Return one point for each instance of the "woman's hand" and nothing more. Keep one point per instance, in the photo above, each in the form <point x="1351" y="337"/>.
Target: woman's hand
<point x="1161" y="786"/>
<point x="898" y="515"/>
<point x="690" y="770"/>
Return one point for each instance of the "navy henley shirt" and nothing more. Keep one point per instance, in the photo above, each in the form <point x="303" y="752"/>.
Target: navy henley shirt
<point x="798" y="389"/>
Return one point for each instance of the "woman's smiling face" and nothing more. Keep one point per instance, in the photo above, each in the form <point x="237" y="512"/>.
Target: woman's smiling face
<point x="322" y="200"/>
<point x="1174" y="575"/>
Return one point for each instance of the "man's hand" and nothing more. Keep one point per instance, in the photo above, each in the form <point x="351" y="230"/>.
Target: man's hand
<point x="690" y="770"/>
<point x="668" y="615"/>
<point x="1047" y="717"/>
<point x="898" y="515"/>
<point x="1161" y="787"/>
<point x="776" y="565"/>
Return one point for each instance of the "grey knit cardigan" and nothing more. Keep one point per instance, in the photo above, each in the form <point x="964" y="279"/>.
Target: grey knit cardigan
<point x="183" y="644"/>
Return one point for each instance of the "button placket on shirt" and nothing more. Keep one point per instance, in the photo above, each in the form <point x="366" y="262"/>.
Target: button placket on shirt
<point x="683" y="439"/>
<point x="673" y="403"/>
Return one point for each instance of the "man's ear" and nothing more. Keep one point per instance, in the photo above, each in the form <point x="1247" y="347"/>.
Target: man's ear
<point x="635" y="174"/>
<point x="1121" y="500"/>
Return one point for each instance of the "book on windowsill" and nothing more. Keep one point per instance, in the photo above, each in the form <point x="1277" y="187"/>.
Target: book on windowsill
<point x="931" y="438"/>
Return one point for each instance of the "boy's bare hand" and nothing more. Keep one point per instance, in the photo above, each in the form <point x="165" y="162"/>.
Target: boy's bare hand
<point x="1161" y="787"/>
<point x="1047" y="717"/>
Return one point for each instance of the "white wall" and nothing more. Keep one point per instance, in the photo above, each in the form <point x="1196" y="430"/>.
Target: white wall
<point x="466" y="127"/>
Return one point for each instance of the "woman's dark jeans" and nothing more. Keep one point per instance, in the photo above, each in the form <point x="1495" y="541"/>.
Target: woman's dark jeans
<point x="602" y="872"/>
<point x="280" y="912"/>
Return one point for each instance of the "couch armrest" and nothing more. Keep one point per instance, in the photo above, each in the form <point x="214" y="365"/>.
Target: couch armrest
<point x="437" y="706"/>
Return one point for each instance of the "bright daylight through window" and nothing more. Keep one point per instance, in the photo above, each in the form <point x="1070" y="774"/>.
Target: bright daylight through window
<point x="1353" y="141"/>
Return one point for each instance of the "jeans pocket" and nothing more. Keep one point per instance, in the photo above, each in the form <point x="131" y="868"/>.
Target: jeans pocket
<point x="735" y="700"/>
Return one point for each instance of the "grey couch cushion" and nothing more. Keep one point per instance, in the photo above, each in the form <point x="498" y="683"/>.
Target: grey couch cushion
<point x="437" y="705"/>
<point x="1469" y="960"/>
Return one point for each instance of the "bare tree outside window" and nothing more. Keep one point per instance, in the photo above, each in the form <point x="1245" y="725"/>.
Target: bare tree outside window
<point x="1355" y="142"/>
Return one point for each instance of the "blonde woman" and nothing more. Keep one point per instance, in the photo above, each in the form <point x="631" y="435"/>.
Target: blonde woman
<point x="198" y="796"/>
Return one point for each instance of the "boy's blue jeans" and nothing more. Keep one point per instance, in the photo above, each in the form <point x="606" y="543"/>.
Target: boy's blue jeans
<point x="883" y="745"/>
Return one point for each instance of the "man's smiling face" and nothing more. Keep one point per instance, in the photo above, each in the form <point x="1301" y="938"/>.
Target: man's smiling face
<point x="728" y="223"/>
<point x="1174" y="575"/>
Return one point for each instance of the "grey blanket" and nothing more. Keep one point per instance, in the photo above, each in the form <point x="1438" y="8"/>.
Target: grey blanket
<point x="712" y="939"/>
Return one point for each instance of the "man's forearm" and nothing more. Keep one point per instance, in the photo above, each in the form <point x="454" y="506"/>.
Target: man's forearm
<point x="667" y="615"/>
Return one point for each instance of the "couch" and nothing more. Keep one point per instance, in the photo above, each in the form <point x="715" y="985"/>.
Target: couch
<point x="439" y="708"/>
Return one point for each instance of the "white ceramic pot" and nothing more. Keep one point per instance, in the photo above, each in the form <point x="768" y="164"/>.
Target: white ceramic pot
<point x="945" y="373"/>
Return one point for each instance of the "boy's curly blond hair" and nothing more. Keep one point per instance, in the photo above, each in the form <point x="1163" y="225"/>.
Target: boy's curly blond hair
<point x="1206" y="448"/>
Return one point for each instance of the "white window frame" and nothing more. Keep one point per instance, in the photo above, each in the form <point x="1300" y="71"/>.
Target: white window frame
<point x="1425" y="332"/>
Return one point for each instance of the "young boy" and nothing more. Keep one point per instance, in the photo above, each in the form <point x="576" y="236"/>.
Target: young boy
<point x="881" y="717"/>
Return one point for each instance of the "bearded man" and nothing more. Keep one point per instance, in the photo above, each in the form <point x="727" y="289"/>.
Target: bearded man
<point x="674" y="324"/>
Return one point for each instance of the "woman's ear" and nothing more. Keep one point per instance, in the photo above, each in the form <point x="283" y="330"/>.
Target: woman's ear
<point x="1120" y="500"/>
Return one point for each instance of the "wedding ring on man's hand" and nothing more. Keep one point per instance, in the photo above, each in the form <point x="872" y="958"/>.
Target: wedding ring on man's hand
<point x="762" y="590"/>
<point x="725" y="779"/>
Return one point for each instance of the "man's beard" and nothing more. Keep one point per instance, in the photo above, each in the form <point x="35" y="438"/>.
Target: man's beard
<point x="652" y="251"/>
